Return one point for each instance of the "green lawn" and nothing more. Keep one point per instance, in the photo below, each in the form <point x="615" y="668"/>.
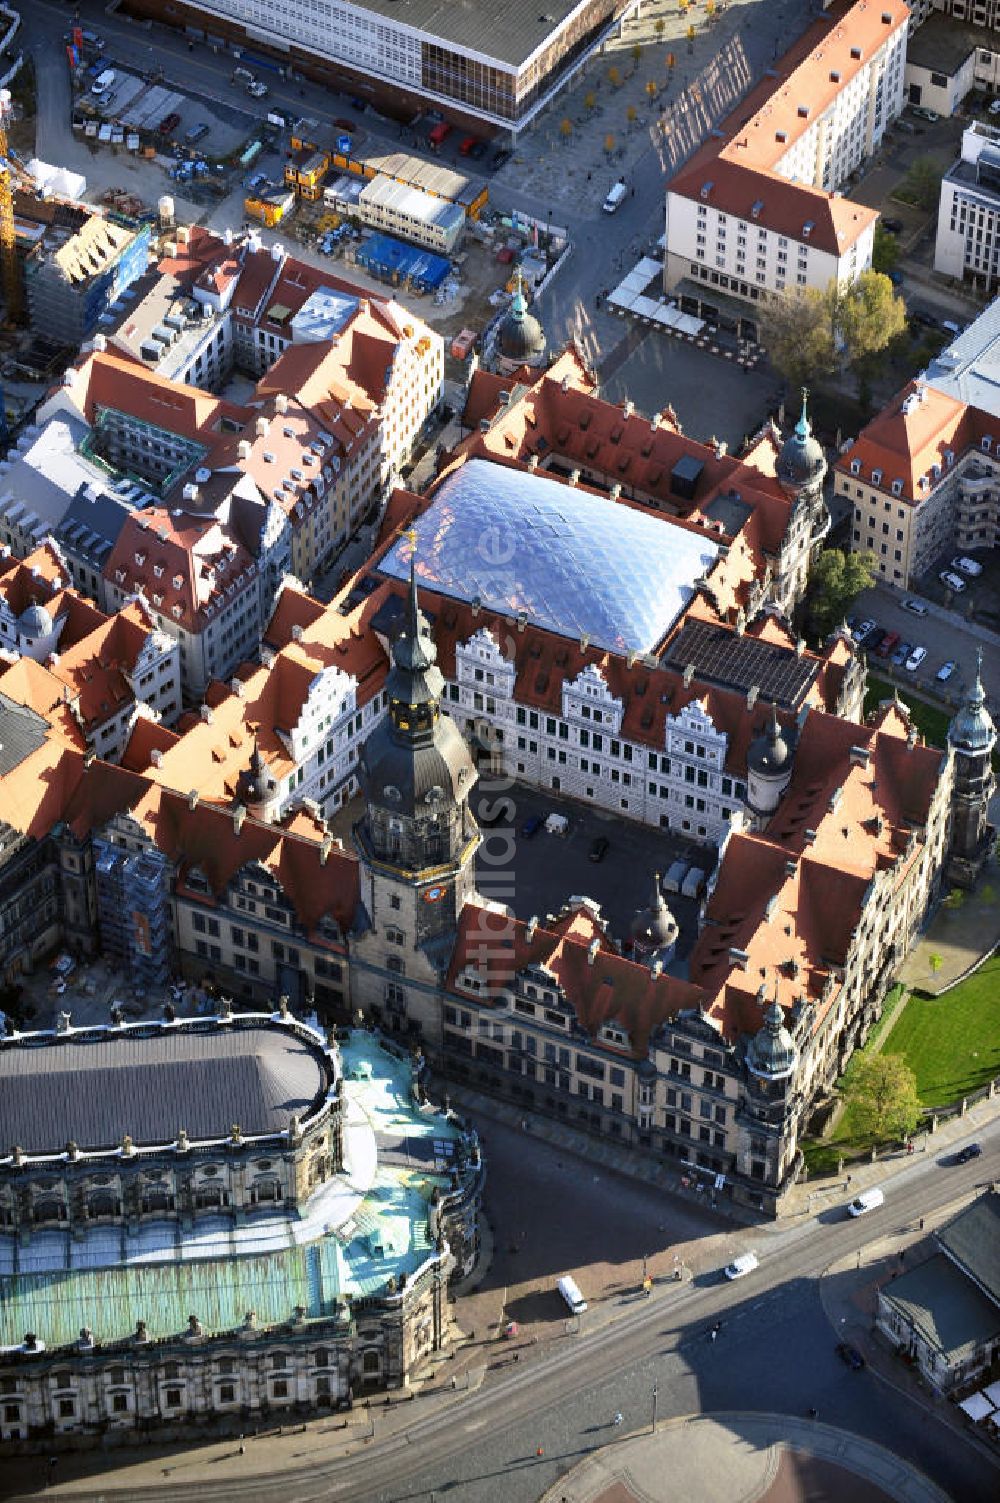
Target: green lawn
<point x="952" y="1042"/>
<point x="821" y="1154"/>
<point x="931" y="722"/>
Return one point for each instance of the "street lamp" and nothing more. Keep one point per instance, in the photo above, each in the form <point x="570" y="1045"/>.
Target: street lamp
<point x="655" y="1391"/>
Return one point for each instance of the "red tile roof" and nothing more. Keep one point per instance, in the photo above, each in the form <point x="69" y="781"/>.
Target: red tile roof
<point x="602" y="986"/>
<point x="911" y="436"/>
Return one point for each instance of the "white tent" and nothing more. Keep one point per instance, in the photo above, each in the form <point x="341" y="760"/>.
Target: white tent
<point x="57" y="180"/>
<point x="977" y="1407"/>
<point x="993" y="1393"/>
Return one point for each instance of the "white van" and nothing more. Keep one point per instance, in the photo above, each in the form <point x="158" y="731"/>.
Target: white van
<point x="868" y="1200"/>
<point x="102" y="83"/>
<point x="570" y="1291"/>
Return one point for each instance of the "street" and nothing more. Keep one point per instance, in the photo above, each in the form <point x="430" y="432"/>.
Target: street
<point x="774" y="1355"/>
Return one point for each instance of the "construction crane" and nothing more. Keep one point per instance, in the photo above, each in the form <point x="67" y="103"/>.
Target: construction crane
<point x="9" y="268"/>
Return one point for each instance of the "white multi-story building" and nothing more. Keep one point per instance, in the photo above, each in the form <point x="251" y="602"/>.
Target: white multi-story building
<point x="758" y="210"/>
<point x="968" y="228"/>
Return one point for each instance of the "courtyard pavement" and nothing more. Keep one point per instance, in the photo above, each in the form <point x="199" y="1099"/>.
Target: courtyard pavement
<point x="959" y="937"/>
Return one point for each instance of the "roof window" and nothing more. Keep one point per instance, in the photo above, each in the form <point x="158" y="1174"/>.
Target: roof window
<point x="834" y="76"/>
<point x="987" y="443"/>
<point x="808" y="228"/>
<point x="706" y="188"/>
<point x="876" y="477"/>
<point x="855" y="467"/>
<point x="856" y="54"/>
<point x="897" y="487"/>
<point x="178" y="581"/>
<point x="803" y="112"/>
<point x="268" y="457"/>
<point x="757" y="208"/>
<point x="781" y="135"/>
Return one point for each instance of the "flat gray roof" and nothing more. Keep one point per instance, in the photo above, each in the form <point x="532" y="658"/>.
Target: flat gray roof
<point x="969" y="369"/>
<point x="509" y="32"/>
<point x="95" y="1087"/>
<point x="943" y="44"/>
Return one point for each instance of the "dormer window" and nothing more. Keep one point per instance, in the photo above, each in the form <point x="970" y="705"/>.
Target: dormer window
<point x="178" y="581"/>
<point x="855" y="467"/>
<point x="140" y="559"/>
<point x="158" y="570"/>
<point x="897" y="487"/>
<point x="987" y="443"/>
<point x="876" y="477"/>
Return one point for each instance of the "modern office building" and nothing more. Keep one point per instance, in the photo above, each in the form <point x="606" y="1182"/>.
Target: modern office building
<point x="497" y="64"/>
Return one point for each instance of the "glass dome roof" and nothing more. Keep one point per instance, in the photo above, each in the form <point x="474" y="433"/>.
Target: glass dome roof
<point x="575" y="563"/>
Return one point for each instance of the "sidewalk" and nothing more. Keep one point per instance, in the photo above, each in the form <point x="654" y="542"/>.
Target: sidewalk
<point x="744" y="1456"/>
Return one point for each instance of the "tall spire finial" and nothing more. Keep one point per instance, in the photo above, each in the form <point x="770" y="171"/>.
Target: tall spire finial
<point x="802" y="427"/>
<point x="519" y="304"/>
<point x="412" y="621"/>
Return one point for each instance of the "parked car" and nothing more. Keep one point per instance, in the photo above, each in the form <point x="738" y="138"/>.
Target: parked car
<point x="257" y="90"/>
<point x="478" y="151"/>
<point x="600" y="847"/>
<point x="918" y="607"/>
<point x="888" y="644"/>
<point x="894" y="226"/>
<point x="532" y="825"/>
<point x="931" y="116"/>
<point x="741" y="1266"/>
<point x="966" y="566"/>
<point x="945" y="672"/>
<point x="874" y="639"/>
<point x="915" y="659"/>
<point x="924" y="319"/>
<point x="970" y="1151"/>
<point x="862" y="630"/>
<point x="954" y="582"/>
<point x="197" y="133"/>
<point x="169" y="123"/>
<point x="995" y="107"/>
<point x="501" y="155"/>
<point x="850" y="1354"/>
<point x="901" y="654"/>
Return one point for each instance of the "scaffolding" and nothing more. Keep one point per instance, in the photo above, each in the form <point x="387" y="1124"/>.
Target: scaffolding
<point x="133" y="911"/>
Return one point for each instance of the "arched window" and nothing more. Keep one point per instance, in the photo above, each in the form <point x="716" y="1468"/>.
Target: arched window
<point x="156" y="1198"/>
<point x="103" y="1203"/>
<point x="49" y="1209"/>
<point x="265" y="1190"/>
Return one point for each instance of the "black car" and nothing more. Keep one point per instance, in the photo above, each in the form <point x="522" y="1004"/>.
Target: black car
<point x="600" y="848"/>
<point x="970" y="1151"/>
<point x="925" y="320"/>
<point x="875" y="639"/>
<point x="894" y="226"/>
<point x="478" y="151"/>
<point x="850" y="1355"/>
<point x="502" y="155"/>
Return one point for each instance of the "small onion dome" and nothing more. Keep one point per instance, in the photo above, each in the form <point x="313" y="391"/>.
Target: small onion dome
<point x="770" y="753"/>
<point x="522" y="337"/>
<point x="35" y="621"/>
<point x="772" y="1051"/>
<point x="801" y="460"/>
<point x="972" y="729"/>
<point x="655" y="926"/>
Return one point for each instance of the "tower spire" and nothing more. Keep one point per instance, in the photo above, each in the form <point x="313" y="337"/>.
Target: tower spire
<point x="803" y="427"/>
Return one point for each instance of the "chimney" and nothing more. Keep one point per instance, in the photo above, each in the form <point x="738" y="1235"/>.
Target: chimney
<point x="800" y="646"/>
<point x="688" y="674"/>
<point x="574" y="477"/>
<point x="628" y="408"/>
<point x="616" y="491"/>
<point x="89" y="757"/>
<point x="239" y="815"/>
<point x="238" y="687"/>
<point x="529" y="933"/>
<point x="752" y="694"/>
<point x="522" y="620"/>
<point x="206" y="714"/>
<point x="584" y="641"/>
<point x="533" y="463"/>
<point x="262" y="427"/>
<point x="156" y="756"/>
<point x="296" y="632"/>
<point x="739" y="958"/>
<point x="243" y="448"/>
<point x="654" y="422"/>
<point x="860" y="756"/>
<point x="592" y="950"/>
<point x="324" y="850"/>
<point x="193" y="799"/>
<point x="657" y="968"/>
<point x="281" y="403"/>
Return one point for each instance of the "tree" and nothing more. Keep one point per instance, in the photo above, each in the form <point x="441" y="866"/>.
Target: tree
<point x="614" y="78"/>
<point x="660" y="27"/>
<point x="836" y="579"/>
<point x="652" y="90"/>
<point x="868" y="315"/>
<point x="881" y="1091"/>
<point x="955" y="900"/>
<point x="797" y="332"/>
<point x="630" y="115"/>
<point x="935" y="961"/>
<point x="590" y="100"/>
<point x="609" y="144"/>
<point x="885" y="252"/>
<point x="566" y="128"/>
<point x="922" y="184"/>
<point x="636" y="55"/>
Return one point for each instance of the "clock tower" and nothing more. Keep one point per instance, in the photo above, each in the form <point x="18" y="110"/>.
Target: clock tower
<point x="416" y="841"/>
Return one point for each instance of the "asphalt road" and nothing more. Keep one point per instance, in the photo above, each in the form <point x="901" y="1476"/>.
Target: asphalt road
<point x="774" y="1354"/>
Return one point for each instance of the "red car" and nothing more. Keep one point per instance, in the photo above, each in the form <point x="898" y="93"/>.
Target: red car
<point x="170" y="123"/>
